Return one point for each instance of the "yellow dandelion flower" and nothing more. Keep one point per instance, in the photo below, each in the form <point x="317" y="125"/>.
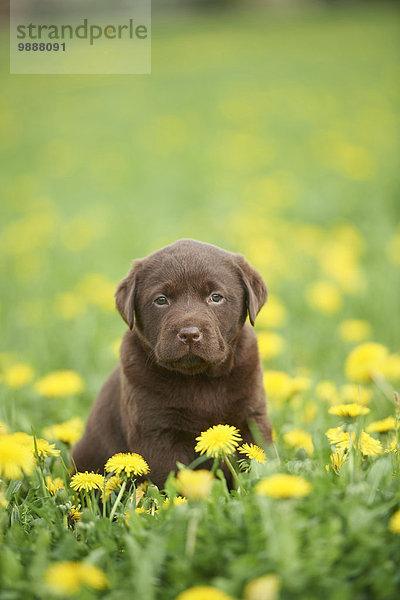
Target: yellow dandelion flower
<point x="338" y="458"/>
<point x="177" y="501"/>
<point x="44" y="449"/>
<point x="339" y="438"/>
<point x="194" y="484"/>
<point x="87" y="481"/>
<point x="283" y="486"/>
<point x="112" y="484"/>
<point x="299" y="438"/>
<point x="369" y="446"/>
<point x="394" y="523"/>
<point x="16" y="376"/>
<point x="356" y="394"/>
<point x="59" y="384"/>
<point x="23" y="438"/>
<point x="218" y="440"/>
<point x="327" y="391"/>
<point x="68" y="432"/>
<point x="272" y="315"/>
<point x="74" y="513"/>
<point x="301" y="384"/>
<point x="68" y="577"/>
<point x="138" y="496"/>
<point x="354" y="330"/>
<point x="391" y="368"/>
<point x="382" y="426"/>
<point x="324" y="296"/>
<point x="203" y="592"/>
<point x="263" y="588"/>
<point x="93" y="577"/>
<point x="270" y="344"/>
<point x="15" y="458"/>
<point x="254" y="452"/>
<point x="128" y="463"/>
<point x="392" y="446"/>
<point x="278" y="385"/>
<point x="348" y="410"/>
<point x="54" y="484"/>
<point x="365" y="361"/>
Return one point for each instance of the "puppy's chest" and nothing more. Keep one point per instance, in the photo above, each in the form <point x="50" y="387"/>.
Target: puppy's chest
<point x="195" y="407"/>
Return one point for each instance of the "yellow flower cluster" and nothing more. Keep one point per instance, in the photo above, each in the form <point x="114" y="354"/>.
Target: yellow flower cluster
<point x="382" y="426"/>
<point x="203" y="592"/>
<point x="283" y="486"/>
<point x="87" y="481"/>
<point x="68" y="577"/>
<point x="266" y="587"/>
<point x="59" y="384"/>
<point x="18" y="375"/>
<point x="15" y="458"/>
<point x="218" y="440"/>
<point x="68" y="432"/>
<point x="253" y="452"/>
<point x="54" y="484"/>
<point x="299" y="438"/>
<point x="370" y="360"/>
<point x="338" y="458"/>
<point x="348" y="410"/>
<point x="127" y="464"/>
<point x="272" y="315"/>
<point x="194" y="484"/>
<point x="279" y="385"/>
<point x="18" y="452"/>
<point x="270" y="344"/>
<point x="354" y="330"/>
<point x="368" y="445"/>
<point x="394" y="523"/>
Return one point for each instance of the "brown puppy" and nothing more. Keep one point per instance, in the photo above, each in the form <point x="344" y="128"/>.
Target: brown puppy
<point x="188" y="361"/>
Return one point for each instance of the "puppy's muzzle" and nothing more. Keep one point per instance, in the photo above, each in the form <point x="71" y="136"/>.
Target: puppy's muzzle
<point x="189" y="335"/>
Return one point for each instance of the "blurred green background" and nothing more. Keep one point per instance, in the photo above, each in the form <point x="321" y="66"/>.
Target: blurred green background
<point x="273" y="133"/>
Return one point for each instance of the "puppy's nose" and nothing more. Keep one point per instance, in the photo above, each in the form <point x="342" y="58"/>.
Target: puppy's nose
<point x="189" y="335"/>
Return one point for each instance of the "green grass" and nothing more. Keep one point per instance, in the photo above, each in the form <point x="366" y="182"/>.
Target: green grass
<point x="272" y="135"/>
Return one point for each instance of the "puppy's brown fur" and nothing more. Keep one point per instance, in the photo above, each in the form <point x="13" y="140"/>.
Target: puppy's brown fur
<point x="188" y="360"/>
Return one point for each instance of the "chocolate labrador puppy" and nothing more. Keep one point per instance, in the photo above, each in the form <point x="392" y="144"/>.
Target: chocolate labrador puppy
<point x="188" y="360"/>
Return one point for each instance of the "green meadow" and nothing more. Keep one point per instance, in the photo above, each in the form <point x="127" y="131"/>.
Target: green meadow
<point x="273" y="134"/>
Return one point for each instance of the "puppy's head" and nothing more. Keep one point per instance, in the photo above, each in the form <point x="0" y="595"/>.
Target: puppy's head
<point x="190" y="301"/>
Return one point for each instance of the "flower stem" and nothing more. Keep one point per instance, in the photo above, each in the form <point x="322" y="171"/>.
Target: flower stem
<point x="192" y="532"/>
<point x="232" y="470"/>
<point x="114" y="508"/>
<point x="215" y="465"/>
<point x="88" y="500"/>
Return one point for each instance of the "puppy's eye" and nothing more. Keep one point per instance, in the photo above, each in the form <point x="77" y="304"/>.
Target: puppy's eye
<point x="161" y="300"/>
<point x="216" y="298"/>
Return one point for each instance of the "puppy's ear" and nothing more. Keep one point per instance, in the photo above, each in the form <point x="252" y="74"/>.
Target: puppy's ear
<point x="125" y="296"/>
<point x="255" y="288"/>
